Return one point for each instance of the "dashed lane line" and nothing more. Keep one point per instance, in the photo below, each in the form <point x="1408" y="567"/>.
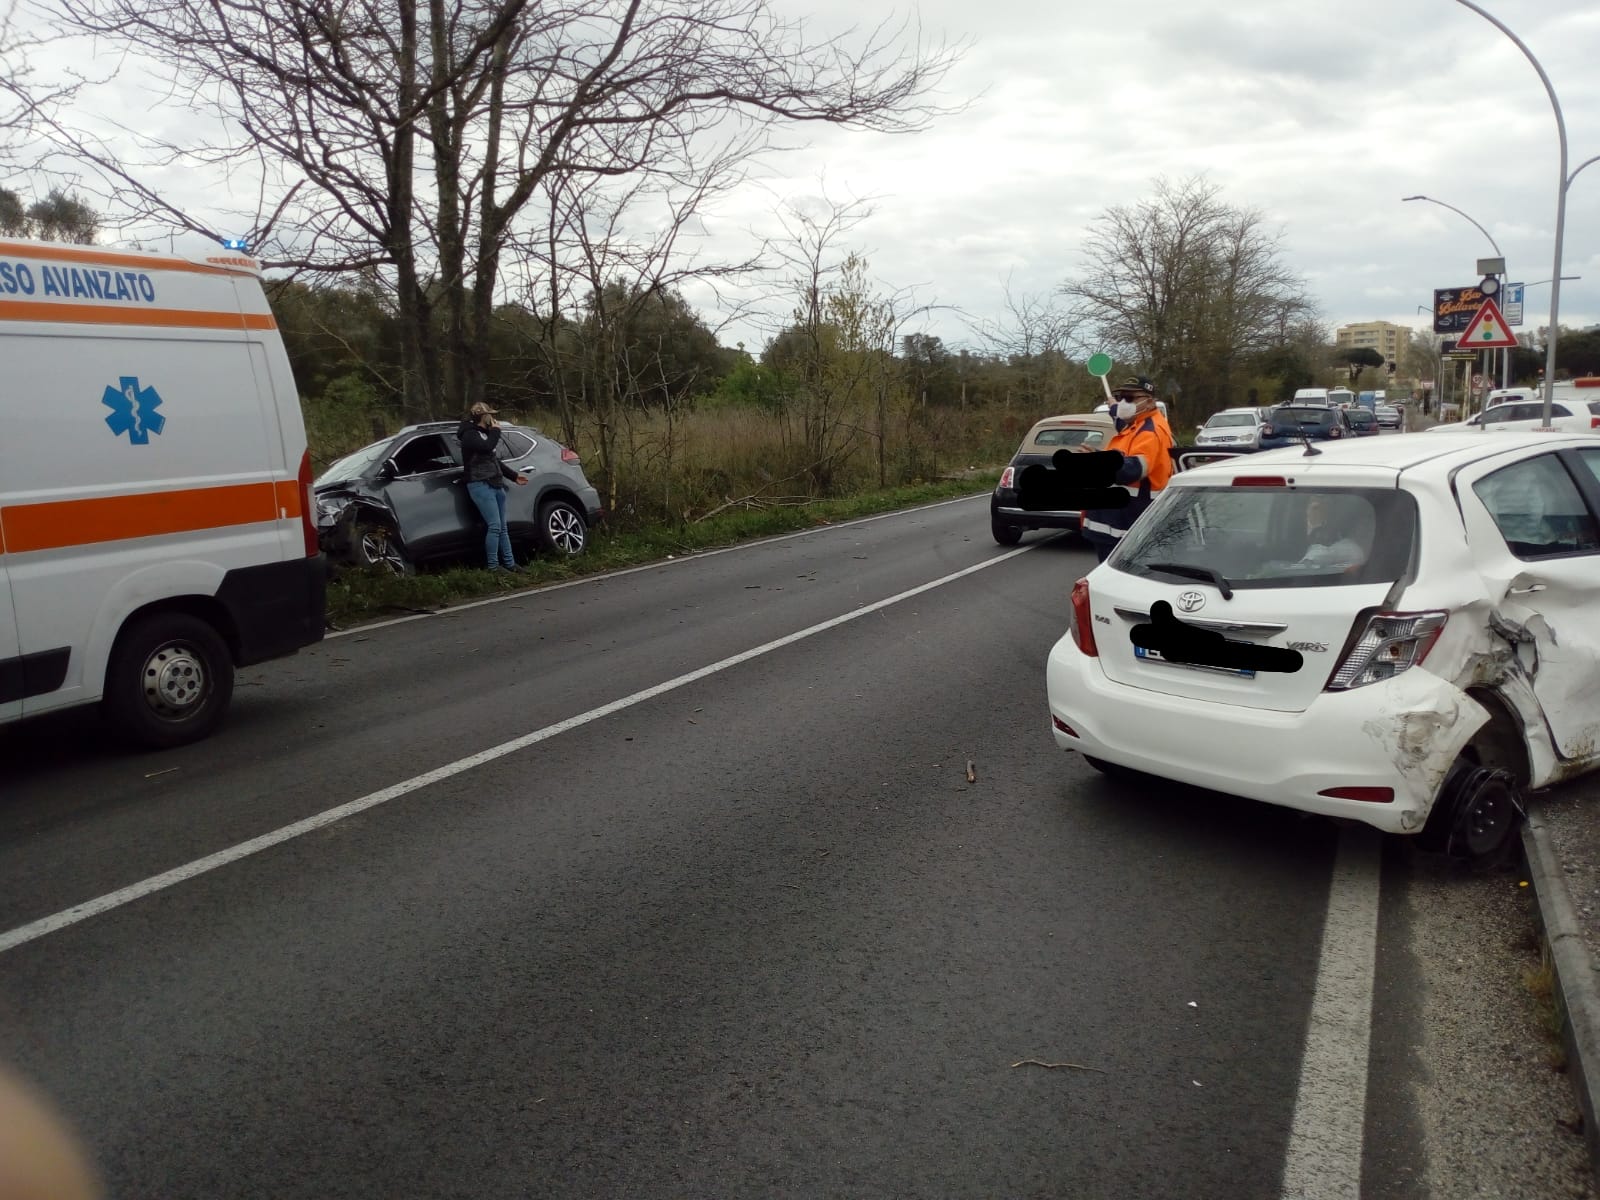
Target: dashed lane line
<point x="1325" y="1141"/>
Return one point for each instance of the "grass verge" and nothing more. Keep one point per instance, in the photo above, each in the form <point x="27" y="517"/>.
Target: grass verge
<point x="1540" y="983"/>
<point x="355" y="596"/>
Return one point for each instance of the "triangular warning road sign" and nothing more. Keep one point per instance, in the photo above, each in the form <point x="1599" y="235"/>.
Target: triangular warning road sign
<point x="1487" y="331"/>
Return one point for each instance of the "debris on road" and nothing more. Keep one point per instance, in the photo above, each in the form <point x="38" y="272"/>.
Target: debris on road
<point x="972" y="775"/>
<point x="168" y="771"/>
<point x="1034" y="1062"/>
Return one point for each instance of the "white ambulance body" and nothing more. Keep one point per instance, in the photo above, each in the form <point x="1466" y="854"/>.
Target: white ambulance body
<point x="155" y="526"/>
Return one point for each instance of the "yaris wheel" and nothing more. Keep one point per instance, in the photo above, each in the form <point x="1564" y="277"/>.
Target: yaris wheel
<point x="1477" y="813"/>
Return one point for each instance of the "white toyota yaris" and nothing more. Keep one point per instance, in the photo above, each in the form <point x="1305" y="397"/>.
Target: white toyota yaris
<point x="1441" y="596"/>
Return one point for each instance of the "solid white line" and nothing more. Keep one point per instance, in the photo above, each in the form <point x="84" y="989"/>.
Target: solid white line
<point x="1325" y="1142"/>
<point x="692" y="556"/>
<point x="82" y="912"/>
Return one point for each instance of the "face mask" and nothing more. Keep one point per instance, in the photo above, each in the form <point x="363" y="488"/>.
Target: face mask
<point x="1126" y="409"/>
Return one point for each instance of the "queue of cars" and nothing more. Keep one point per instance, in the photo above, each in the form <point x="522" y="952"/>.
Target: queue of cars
<point x="1276" y="426"/>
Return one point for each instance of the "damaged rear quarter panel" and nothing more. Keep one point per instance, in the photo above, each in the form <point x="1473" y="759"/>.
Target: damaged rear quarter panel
<point x="1423" y="723"/>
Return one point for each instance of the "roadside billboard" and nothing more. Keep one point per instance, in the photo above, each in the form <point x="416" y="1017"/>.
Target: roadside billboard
<point x="1454" y="308"/>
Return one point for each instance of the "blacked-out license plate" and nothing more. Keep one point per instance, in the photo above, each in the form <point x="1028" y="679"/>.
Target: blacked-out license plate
<point x="1144" y="655"/>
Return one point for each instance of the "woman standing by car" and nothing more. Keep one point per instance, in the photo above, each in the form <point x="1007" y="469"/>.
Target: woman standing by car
<point x="486" y="482"/>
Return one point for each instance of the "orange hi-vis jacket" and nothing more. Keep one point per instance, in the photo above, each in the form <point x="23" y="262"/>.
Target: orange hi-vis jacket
<point x="1146" y="444"/>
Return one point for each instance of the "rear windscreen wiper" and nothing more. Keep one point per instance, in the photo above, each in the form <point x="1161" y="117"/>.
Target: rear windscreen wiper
<point x="1194" y="572"/>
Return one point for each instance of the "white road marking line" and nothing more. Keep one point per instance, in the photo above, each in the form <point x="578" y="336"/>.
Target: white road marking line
<point x="34" y="930"/>
<point x="1325" y="1142"/>
<point x="694" y="556"/>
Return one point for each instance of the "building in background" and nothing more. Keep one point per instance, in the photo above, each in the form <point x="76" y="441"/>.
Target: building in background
<point x="1387" y="338"/>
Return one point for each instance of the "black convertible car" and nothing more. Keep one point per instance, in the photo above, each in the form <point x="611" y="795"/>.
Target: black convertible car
<point x="403" y="501"/>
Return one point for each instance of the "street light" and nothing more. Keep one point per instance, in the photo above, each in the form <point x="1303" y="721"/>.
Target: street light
<point x="1454" y="209"/>
<point x="1563" y="183"/>
<point x="1505" y="371"/>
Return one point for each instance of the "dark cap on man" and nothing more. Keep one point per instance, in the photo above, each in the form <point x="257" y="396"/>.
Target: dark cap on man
<point x="1135" y="383"/>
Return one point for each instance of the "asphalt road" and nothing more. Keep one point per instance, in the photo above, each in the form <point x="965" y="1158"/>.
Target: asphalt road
<point x="754" y="935"/>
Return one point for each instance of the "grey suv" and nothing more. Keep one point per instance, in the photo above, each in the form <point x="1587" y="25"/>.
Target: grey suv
<point x="403" y="501"/>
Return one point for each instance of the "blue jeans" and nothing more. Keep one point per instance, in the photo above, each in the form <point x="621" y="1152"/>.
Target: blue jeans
<point x="491" y="502"/>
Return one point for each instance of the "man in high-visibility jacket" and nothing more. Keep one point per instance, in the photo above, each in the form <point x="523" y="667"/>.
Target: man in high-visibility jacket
<point x="1145" y="441"/>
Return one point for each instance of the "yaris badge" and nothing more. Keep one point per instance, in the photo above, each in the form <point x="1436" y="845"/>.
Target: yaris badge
<point x="1191" y="601"/>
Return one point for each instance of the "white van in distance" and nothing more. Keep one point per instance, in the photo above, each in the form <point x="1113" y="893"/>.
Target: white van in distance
<point x="156" y="529"/>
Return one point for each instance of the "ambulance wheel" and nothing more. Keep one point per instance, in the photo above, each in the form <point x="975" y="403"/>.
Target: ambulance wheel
<point x="1006" y="535"/>
<point x="169" y="680"/>
<point x="374" y="544"/>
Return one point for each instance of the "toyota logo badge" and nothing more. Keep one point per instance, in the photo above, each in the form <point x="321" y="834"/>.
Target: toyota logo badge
<point x="1191" y="601"/>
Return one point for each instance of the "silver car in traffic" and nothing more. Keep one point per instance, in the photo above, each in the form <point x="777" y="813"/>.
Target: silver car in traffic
<point x="1233" y="428"/>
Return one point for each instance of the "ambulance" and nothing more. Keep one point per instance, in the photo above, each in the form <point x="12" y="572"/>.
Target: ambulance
<point x="156" y="529"/>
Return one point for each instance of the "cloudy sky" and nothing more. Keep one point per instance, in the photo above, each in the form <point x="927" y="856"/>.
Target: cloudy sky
<point x="1321" y="116"/>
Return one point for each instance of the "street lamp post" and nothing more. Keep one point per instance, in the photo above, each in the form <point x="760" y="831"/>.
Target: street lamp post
<point x="1439" y="379"/>
<point x="1505" y="371"/>
<point x="1565" y="182"/>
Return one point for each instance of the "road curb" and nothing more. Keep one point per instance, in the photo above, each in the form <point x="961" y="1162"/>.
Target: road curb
<point x="1577" y="986"/>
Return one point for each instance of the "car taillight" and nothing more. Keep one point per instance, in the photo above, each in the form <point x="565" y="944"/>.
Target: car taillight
<point x="1594" y="422"/>
<point x="570" y="456"/>
<point x="1390" y="643"/>
<point x="308" y="511"/>
<point x="1008" y="477"/>
<point x="1083" y="620"/>
<point x="1259" y="481"/>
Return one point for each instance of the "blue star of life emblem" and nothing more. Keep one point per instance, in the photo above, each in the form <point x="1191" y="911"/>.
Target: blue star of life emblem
<point x="133" y="410"/>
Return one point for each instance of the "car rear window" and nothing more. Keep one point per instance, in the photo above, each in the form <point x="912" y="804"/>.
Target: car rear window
<point x="1292" y="418"/>
<point x="1275" y="537"/>
<point x="1223" y="420"/>
<point x="1074" y="436"/>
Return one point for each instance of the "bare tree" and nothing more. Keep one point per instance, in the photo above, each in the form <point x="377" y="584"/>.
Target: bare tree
<point x="826" y="377"/>
<point x="1184" y="283"/>
<point x="417" y="138"/>
<point x="595" y="285"/>
<point x="25" y="98"/>
<point x="1035" y="339"/>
